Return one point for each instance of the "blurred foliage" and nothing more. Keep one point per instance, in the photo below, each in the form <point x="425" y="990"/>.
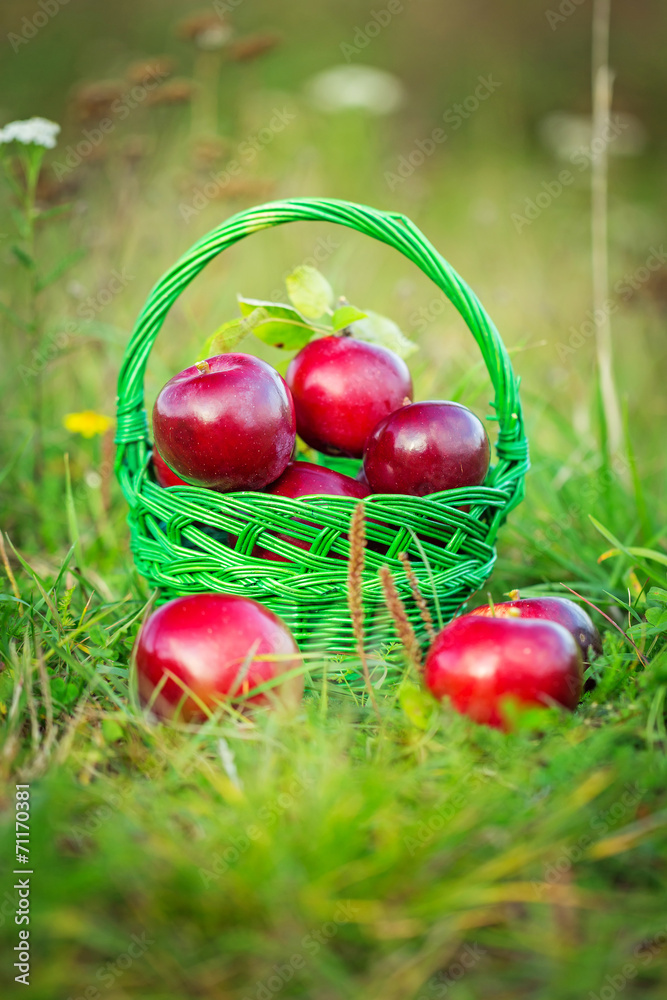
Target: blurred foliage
<point x="399" y="844"/>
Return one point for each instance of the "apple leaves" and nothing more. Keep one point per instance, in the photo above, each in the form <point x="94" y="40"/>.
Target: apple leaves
<point x="345" y="315"/>
<point x="227" y="336"/>
<point x="275" y="324"/>
<point x="309" y="291"/>
<point x="376" y="329"/>
<point x="311" y="314"/>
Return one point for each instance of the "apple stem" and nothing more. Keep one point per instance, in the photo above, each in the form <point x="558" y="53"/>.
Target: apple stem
<point x="203" y="367"/>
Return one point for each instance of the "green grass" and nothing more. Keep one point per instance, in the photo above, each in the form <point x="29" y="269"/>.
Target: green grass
<point x="332" y="854"/>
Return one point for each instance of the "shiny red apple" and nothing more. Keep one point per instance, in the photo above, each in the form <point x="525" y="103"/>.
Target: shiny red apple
<point x="342" y="387"/>
<point x="479" y="662"/>
<point x="227" y="423"/>
<point x="427" y="447"/>
<point x="553" y="609"/>
<point x="218" y="646"/>
<point x="163" y="474"/>
<point x="305" y="479"/>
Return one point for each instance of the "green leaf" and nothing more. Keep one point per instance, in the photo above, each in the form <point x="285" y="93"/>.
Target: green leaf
<point x="225" y="338"/>
<point x="59" y="269"/>
<point x="55" y="211"/>
<point x="277" y="309"/>
<point x="345" y="315"/>
<point x="112" y="731"/>
<point x="16" y="320"/>
<point x="376" y="329"/>
<point x="19" y="220"/>
<point x="631" y="550"/>
<point x="657" y="616"/>
<point x="657" y="594"/>
<point x="528" y="718"/>
<point x="276" y="324"/>
<point x="309" y="291"/>
<point x="63" y="691"/>
<point x="22" y="256"/>
<point x="418" y="706"/>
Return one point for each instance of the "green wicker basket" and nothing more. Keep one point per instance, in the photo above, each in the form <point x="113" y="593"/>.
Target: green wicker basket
<point x="186" y="539"/>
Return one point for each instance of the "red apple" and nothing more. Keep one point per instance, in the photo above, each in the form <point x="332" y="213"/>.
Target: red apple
<point x="478" y="662"/>
<point x="227" y="423"/>
<point x="304" y="479"/>
<point x="342" y="387"/>
<point x="217" y="646"/>
<point x="553" y="609"/>
<point x="164" y="475"/>
<point x="427" y="447"/>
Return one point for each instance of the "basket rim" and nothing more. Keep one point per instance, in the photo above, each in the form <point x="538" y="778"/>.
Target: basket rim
<point x="394" y="229"/>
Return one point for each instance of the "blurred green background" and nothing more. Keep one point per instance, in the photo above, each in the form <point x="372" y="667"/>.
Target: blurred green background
<point x="124" y="824"/>
<point x="131" y="192"/>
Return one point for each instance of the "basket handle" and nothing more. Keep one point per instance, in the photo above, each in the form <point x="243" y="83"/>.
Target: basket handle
<point x="388" y="227"/>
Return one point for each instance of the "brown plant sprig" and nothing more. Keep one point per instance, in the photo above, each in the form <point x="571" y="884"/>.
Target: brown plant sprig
<point x="404" y="629"/>
<point x="355" y="599"/>
<point x="419" y="598"/>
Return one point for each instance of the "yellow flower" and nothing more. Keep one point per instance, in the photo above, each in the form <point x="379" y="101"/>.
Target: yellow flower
<point x="88" y="423"/>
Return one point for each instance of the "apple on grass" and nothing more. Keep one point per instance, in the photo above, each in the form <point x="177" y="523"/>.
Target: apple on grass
<point x="342" y="387"/>
<point x="227" y="423"/>
<point x="305" y="479"/>
<point x="425" y="448"/>
<point x="478" y="662"/>
<point x="219" y="647"/>
<point x="553" y="609"/>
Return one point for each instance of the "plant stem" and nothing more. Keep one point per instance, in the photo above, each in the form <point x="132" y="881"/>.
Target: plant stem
<point x="32" y="164"/>
<point x="602" y="81"/>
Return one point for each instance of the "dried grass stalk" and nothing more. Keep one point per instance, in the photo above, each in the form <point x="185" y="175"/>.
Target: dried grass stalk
<point x="355" y="599"/>
<point x="419" y="598"/>
<point x="404" y="629"/>
<point x="10" y="574"/>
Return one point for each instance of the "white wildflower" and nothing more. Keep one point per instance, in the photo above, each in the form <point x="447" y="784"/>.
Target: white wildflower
<point x="373" y="90"/>
<point x="32" y="131"/>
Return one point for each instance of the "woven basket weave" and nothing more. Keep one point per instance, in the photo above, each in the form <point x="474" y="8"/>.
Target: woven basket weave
<point x="186" y="539"/>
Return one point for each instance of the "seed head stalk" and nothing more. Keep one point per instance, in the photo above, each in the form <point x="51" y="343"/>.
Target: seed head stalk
<point x="355" y="593"/>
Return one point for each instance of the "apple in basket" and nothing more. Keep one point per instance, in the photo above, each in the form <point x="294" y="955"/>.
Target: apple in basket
<point x="226" y="423"/>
